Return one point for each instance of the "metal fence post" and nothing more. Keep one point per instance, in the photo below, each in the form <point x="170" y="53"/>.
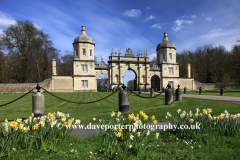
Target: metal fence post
<point x="140" y="91"/>
<point x="200" y="90"/>
<point x="152" y="92"/>
<point x="38" y="103"/>
<point x="123" y="100"/>
<point x="221" y="91"/>
<point x="178" y="94"/>
<point x="168" y="95"/>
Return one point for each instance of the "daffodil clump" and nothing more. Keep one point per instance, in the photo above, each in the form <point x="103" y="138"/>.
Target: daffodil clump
<point x="224" y="124"/>
<point x="125" y="140"/>
<point x="38" y="133"/>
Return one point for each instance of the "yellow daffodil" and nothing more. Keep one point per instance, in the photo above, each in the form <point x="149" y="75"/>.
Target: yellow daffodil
<point x="148" y="132"/>
<point x="69" y="123"/>
<point x="204" y="110"/>
<point x="221" y="116"/>
<point x="155" y="122"/>
<point x="145" y="117"/>
<point x="32" y="114"/>
<point x="191" y="120"/>
<point x="13" y="124"/>
<point x="35" y="126"/>
<point x="182" y="115"/>
<point x="132" y="117"/>
<point x="115" y="129"/>
<point x="234" y="117"/>
<point x="120" y="130"/>
<point x="157" y="135"/>
<point x="153" y="117"/>
<point x="134" y="130"/>
<point x="158" y="145"/>
<point x="141" y="112"/>
<point x="210" y="110"/>
<point x="54" y="113"/>
<point x="119" y="134"/>
<point x="21" y="126"/>
<point x="137" y="115"/>
<point x="49" y="114"/>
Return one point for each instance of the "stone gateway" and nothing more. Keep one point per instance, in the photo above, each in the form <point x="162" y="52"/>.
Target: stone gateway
<point x="85" y="72"/>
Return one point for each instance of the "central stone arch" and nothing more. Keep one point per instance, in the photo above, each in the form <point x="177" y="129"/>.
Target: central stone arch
<point x="140" y="65"/>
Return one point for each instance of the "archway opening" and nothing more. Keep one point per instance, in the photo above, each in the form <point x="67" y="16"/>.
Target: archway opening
<point x="130" y="79"/>
<point x="102" y="83"/>
<point x="155" y="83"/>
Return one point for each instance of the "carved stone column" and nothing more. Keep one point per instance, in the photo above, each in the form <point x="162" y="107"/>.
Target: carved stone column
<point x="111" y="74"/>
<point x="119" y="67"/>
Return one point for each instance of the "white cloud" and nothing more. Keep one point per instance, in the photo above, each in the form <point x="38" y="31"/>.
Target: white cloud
<point x="178" y="24"/>
<point x="193" y="16"/>
<point x="148" y="8"/>
<point x="150" y="17"/>
<point x="214" y="34"/>
<point x="6" y="20"/>
<point x="37" y="26"/>
<point x="152" y="56"/>
<point x="208" y="19"/>
<point x="156" y="26"/>
<point x="132" y="13"/>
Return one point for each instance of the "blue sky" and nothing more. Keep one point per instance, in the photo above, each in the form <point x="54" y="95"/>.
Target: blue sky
<point x="129" y="24"/>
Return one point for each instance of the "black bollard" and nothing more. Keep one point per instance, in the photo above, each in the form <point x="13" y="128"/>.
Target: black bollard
<point x="178" y="94"/>
<point x="168" y="95"/>
<point x="185" y="90"/>
<point x="200" y="90"/>
<point x="222" y="91"/>
<point x="38" y="103"/>
<point x="123" y="100"/>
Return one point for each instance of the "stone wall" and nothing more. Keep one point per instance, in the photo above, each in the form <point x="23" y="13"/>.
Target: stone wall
<point x="214" y="86"/>
<point x="24" y="87"/>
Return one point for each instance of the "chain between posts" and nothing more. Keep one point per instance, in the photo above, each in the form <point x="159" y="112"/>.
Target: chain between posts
<point x="17" y="98"/>
<point x="78" y="102"/>
<point x="147" y="97"/>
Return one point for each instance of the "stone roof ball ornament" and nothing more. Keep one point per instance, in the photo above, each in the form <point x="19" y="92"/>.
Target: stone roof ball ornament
<point x="83" y="37"/>
<point x="165" y="43"/>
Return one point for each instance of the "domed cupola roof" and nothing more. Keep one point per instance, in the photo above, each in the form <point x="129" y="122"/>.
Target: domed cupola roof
<point x="165" y="43"/>
<point x="83" y="38"/>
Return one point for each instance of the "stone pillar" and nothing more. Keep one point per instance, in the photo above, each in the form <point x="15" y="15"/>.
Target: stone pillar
<point x="123" y="99"/>
<point x="147" y="75"/>
<point x="120" y="74"/>
<point x="152" y="92"/>
<point x="168" y="96"/>
<point x="189" y="70"/>
<point x="139" y="75"/>
<point x="139" y="91"/>
<point x="111" y="74"/>
<point x="54" y="69"/>
<point x="38" y="103"/>
<point x="178" y="94"/>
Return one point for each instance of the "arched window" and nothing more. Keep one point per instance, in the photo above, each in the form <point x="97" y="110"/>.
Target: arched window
<point x="76" y="53"/>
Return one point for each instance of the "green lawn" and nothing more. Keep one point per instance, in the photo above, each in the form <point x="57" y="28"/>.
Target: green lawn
<point x="167" y="146"/>
<point x="231" y="92"/>
<point x="85" y="112"/>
